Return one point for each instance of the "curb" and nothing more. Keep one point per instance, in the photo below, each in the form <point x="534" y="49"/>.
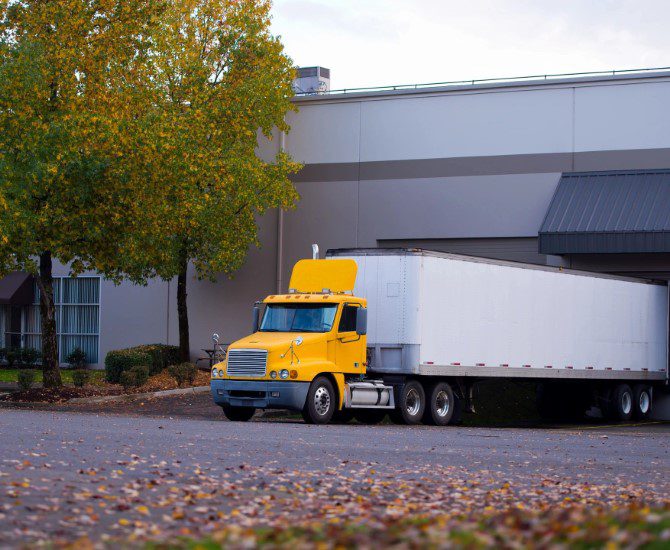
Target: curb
<point x="138" y="396"/>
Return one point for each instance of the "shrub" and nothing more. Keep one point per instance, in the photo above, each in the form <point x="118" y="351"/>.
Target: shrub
<point x="120" y="361"/>
<point x="80" y="377"/>
<point x="13" y="356"/>
<point x="162" y="356"/>
<point x="135" y="377"/>
<point x="3" y="354"/>
<point x="28" y="356"/>
<point x="26" y="379"/>
<point x="77" y="359"/>
<point x="184" y="372"/>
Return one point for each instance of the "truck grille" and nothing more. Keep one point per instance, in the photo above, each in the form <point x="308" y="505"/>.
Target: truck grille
<point x="247" y="362"/>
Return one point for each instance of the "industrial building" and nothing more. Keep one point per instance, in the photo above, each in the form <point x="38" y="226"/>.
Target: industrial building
<point x="571" y="171"/>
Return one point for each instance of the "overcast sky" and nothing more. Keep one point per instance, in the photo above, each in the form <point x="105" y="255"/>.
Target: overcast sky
<point x="381" y="42"/>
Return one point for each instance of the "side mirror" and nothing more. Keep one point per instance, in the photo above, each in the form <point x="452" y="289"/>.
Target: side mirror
<point x="256" y="318"/>
<point x="215" y="339"/>
<point x="361" y="321"/>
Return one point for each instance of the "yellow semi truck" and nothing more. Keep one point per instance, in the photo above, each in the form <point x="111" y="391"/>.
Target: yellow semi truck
<point x="438" y="325"/>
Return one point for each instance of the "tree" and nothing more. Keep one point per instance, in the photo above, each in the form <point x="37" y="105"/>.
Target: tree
<point x="70" y="79"/>
<point x="219" y="76"/>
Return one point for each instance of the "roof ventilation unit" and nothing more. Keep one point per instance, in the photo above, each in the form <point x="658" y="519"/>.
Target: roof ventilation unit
<point x="312" y="80"/>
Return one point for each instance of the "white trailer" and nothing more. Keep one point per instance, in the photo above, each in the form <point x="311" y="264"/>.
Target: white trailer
<point x="587" y="338"/>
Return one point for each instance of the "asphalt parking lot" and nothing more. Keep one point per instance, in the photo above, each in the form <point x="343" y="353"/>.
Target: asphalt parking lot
<point x="68" y="473"/>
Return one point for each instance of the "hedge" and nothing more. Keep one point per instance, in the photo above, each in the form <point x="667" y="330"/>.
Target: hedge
<point x="119" y="361"/>
<point x="162" y="356"/>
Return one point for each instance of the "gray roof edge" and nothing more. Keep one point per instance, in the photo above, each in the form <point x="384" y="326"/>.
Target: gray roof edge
<point x="337" y="95"/>
<point x="335" y="252"/>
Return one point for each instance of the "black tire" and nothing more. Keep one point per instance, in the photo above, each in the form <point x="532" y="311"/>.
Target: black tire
<point x="238" y="414"/>
<point x="440" y="404"/>
<point x="410" y="404"/>
<point x="641" y="402"/>
<point x="621" y="403"/>
<point x="321" y="402"/>
<point x="369" y="416"/>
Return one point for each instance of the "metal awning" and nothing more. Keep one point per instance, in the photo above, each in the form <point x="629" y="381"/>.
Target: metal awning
<point x="608" y="212"/>
<point x="16" y="289"/>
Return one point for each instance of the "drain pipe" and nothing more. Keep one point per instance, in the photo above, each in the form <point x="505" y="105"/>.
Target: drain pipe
<point x="280" y="230"/>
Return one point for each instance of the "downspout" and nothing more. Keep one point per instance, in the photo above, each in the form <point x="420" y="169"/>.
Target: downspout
<point x="280" y="230"/>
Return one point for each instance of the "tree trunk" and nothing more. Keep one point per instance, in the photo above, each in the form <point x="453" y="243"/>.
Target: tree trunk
<point x="50" y="363"/>
<point x="182" y="310"/>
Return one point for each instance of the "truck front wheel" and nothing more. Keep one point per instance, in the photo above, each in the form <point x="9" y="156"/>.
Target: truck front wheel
<point x="321" y="402"/>
<point x="410" y="404"/>
<point x="440" y="405"/>
<point x="238" y="414"/>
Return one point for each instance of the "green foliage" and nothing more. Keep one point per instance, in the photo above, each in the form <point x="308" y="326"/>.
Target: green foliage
<point x="135" y="377"/>
<point x="120" y="361"/>
<point x="12" y="356"/>
<point x="26" y="379"/>
<point x="77" y="359"/>
<point x="80" y="377"/>
<point x="29" y="356"/>
<point x="183" y="373"/>
<point x="162" y="356"/>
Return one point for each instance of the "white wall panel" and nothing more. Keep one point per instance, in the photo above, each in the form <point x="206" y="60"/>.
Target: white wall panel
<point x="627" y="116"/>
<point x="324" y="133"/>
<point x="482" y="124"/>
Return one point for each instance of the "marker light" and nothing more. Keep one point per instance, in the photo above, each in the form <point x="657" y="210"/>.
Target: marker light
<point x="283" y="374"/>
<point x="294" y="374"/>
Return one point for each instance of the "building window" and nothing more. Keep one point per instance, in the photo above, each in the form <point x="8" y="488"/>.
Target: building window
<point x="77" y="319"/>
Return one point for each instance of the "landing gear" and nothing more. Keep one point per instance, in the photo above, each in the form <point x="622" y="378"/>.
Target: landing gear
<point x="321" y="402"/>
<point x="238" y="414"/>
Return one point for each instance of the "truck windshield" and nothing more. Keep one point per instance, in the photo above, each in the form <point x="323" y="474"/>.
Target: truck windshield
<point x="298" y="318"/>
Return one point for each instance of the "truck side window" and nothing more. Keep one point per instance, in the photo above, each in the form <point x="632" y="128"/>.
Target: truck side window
<point x="348" y="319"/>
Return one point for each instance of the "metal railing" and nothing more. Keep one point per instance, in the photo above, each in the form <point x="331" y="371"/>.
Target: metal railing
<point x="474" y="82"/>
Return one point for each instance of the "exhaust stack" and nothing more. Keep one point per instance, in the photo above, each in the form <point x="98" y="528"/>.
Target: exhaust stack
<point x="315" y="252"/>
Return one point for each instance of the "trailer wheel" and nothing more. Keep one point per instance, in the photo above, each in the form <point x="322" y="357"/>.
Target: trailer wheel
<point x="238" y="414"/>
<point x="410" y="404"/>
<point x="641" y="402"/>
<point x="320" y="405"/>
<point x="440" y="404"/>
<point x="370" y="416"/>
<point x="622" y="402"/>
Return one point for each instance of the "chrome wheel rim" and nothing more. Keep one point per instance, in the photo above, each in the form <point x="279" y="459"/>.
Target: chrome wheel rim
<point x="321" y="401"/>
<point x="626" y="403"/>
<point x="412" y="402"/>
<point x="442" y="404"/>
<point x="645" y="402"/>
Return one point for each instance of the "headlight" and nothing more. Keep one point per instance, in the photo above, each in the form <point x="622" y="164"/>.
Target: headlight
<point x="283" y="374"/>
<point x="273" y="374"/>
<point x="215" y="373"/>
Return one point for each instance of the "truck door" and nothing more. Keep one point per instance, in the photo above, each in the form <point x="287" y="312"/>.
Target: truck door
<point x="350" y="349"/>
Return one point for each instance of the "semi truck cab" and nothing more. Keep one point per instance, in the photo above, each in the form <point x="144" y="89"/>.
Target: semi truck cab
<point x="303" y="348"/>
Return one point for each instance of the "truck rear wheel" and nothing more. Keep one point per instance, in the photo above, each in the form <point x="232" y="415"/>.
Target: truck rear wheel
<point x="410" y="404"/>
<point x="238" y="414"/>
<point x="641" y="402"/>
<point x="440" y="404"/>
<point x="321" y="402"/>
<point x="622" y="402"/>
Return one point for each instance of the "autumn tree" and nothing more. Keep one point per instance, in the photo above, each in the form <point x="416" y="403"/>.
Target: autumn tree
<point x="220" y="77"/>
<point x="70" y="75"/>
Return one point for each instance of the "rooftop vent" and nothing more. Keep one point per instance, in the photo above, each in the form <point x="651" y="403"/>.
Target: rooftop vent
<point x="312" y="80"/>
